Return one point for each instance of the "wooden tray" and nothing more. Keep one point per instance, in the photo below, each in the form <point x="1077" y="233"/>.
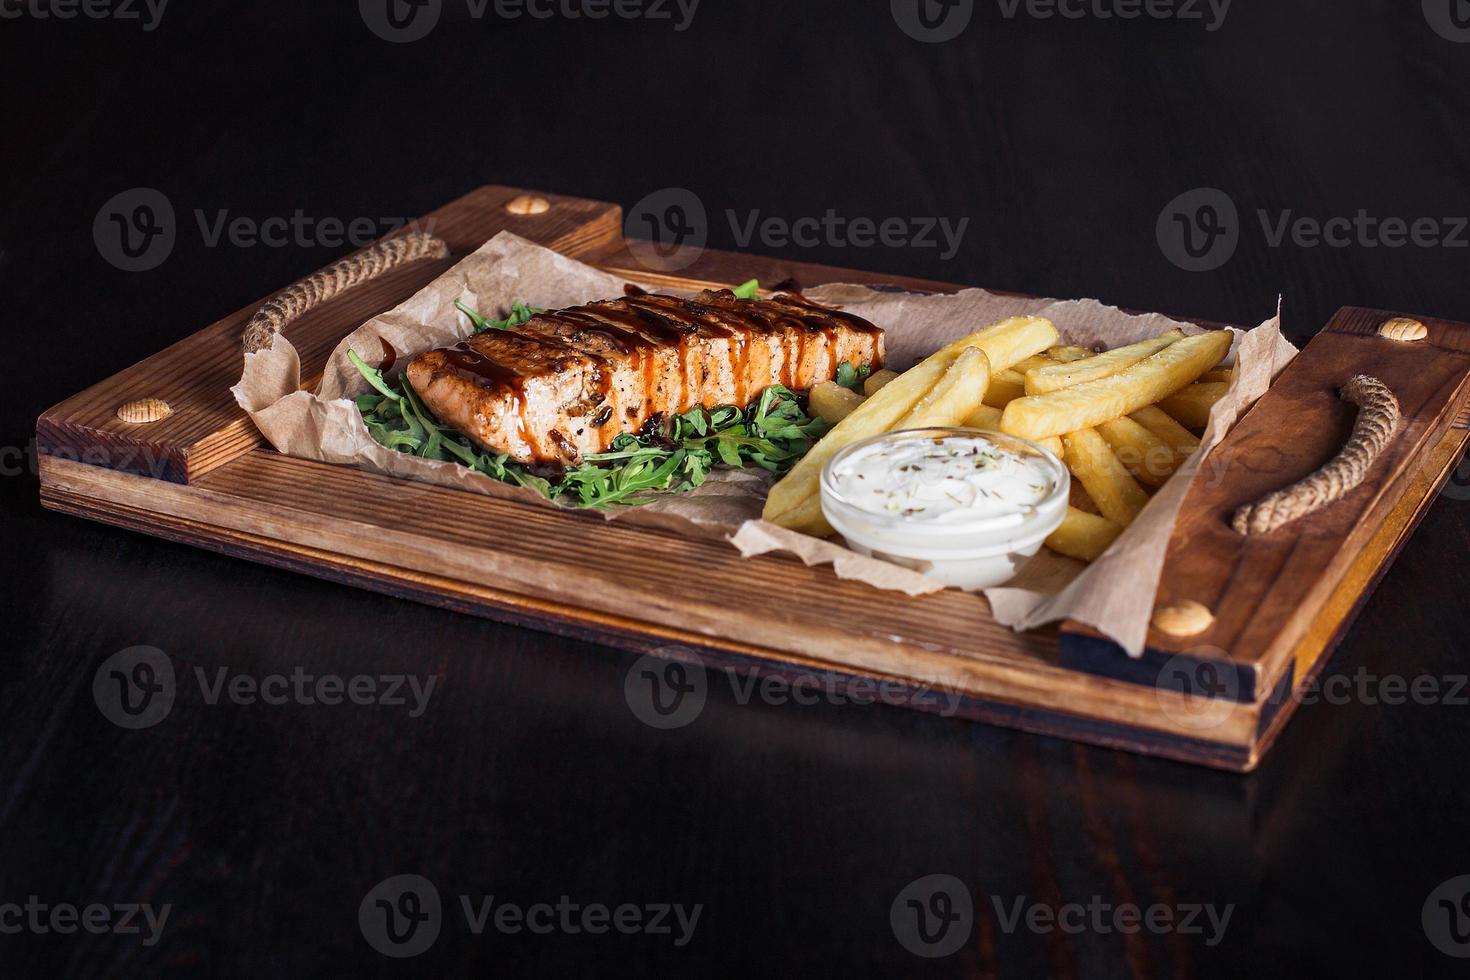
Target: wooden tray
<point x="1282" y="601"/>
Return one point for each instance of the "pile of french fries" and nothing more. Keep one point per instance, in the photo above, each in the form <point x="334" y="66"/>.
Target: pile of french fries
<point x="1121" y="419"/>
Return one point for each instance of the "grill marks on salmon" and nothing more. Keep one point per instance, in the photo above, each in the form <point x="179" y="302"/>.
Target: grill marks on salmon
<point x="567" y="382"/>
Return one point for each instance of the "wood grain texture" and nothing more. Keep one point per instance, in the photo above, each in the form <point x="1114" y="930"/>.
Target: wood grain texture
<point x="997" y="677"/>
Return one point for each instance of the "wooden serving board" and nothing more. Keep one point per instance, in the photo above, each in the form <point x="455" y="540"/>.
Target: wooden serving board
<point x="203" y="476"/>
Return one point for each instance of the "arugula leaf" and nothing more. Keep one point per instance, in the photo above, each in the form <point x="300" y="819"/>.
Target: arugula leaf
<point x="373" y="375"/>
<point x="853" y="377"/>
<point x="519" y="314"/>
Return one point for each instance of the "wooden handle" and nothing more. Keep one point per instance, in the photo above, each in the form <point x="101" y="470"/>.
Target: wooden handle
<point x="1378" y="417"/>
<point x="317" y="288"/>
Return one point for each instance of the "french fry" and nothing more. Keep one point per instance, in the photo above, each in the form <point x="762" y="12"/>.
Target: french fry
<point x="955" y="396"/>
<point x="1082" y="535"/>
<point x="1117" y="495"/>
<point x="1034" y="361"/>
<point x="983" y="417"/>
<point x="1175" y="436"/>
<point x="988" y="417"/>
<point x="1090" y="404"/>
<point x="1219" y="374"/>
<point x="1005" y="387"/>
<point x="1077" y="497"/>
<point x="1191" y="406"/>
<point x="877" y="380"/>
<point x="832" y="402"/>
<point x="1069" y="352"/>
<point x="1146" y="456"/>
<point x="794" y="502"/>
<point x="1009" y="341"/>
<point x="1064" y="375"/>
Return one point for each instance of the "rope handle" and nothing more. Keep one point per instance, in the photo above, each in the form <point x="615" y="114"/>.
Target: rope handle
<point x="1378" y="417"/>
<point x="294" y="301"/>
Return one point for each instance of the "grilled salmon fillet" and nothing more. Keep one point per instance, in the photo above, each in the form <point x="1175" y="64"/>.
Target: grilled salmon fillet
<point x="567" y="382"/>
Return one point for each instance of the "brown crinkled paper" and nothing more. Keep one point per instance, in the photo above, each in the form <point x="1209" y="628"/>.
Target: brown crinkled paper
<point x="1113" y="594"/>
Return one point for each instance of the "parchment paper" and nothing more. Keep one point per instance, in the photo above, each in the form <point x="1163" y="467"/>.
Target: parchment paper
<point x="1114" y="594"/>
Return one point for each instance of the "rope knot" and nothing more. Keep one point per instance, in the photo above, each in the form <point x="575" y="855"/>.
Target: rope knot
<point x="1378" y="417"/>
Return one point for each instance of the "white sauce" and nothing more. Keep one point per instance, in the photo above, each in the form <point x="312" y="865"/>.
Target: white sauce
<point x="943" y="480"/>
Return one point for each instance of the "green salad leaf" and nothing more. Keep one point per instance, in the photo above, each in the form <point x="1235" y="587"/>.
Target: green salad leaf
<point x="519" y="314"/>
<point x="853" y="377"/>
<point x="747" y="290"/>
<point x="678" y="453"/>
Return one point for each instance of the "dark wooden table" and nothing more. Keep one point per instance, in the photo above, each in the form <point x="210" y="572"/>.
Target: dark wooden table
<point x="796" y="828"/>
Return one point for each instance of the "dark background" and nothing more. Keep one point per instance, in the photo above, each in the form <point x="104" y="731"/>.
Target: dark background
<point x="528" y="778"/>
